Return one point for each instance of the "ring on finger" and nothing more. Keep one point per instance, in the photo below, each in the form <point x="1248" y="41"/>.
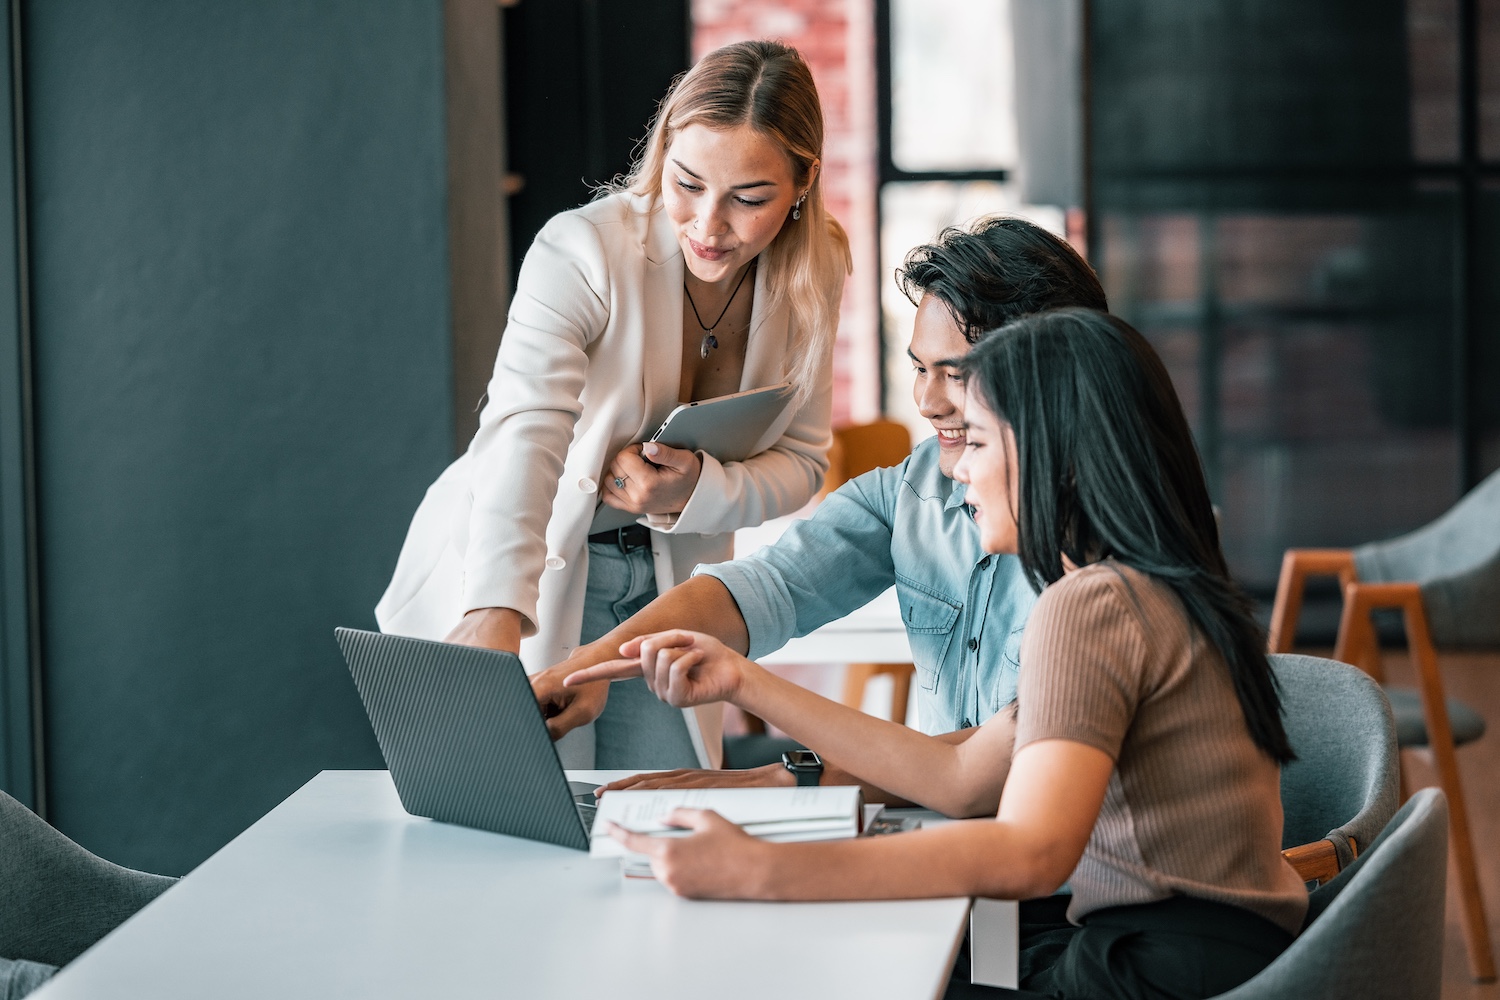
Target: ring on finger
<point x="620" y="482"/>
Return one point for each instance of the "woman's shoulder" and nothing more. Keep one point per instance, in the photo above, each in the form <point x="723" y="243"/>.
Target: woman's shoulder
<point x="1103" y="593"/>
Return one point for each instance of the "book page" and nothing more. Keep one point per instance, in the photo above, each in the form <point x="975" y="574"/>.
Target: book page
<point x="811" y="813"/>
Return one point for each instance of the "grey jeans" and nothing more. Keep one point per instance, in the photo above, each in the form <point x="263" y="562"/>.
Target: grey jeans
<point x="636" y="731"/>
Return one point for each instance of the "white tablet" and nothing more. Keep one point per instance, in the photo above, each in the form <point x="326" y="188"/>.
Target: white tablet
<point x="730" y="428"/>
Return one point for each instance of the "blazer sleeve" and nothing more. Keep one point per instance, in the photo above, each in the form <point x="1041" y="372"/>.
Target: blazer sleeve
<point x="560" y="307"/>
<point x="780" y="480"/>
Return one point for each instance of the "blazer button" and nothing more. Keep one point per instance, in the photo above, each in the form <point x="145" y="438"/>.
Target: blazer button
<point x="555" y="562"/>
<point x="587" y="485"/>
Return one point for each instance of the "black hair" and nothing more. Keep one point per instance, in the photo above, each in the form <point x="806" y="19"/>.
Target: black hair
<point x="997" y="271"/>
<point x="1108" y="469"/>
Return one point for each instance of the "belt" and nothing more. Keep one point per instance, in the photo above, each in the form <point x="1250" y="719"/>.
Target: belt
<point x="628" y="538"/>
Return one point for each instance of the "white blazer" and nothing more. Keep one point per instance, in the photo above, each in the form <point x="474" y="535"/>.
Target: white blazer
<point x="590" y="362"/>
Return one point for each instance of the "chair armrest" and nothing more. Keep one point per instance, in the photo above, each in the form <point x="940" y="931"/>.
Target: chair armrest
<point x="1296" y="566"/>
<point x="1316" y="862"/>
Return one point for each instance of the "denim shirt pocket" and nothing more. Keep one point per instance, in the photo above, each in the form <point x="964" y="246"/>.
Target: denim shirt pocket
<point x="1010" y="670"/>
<point x="929" y="618"/>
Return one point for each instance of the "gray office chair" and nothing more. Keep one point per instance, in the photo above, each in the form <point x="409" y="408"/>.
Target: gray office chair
<point x="1342" y="788"/>
<point x="56" y="899"/>
<point x="1378" y="932"/>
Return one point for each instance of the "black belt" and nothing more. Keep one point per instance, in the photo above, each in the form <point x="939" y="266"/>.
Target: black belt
<point x="628" y="538"/>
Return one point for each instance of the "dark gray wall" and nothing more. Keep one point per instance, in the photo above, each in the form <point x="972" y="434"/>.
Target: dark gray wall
<point x="243" y="383"/>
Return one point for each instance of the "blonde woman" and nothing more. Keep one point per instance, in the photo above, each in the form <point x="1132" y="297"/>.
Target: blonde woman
<point x="712" y="268"/>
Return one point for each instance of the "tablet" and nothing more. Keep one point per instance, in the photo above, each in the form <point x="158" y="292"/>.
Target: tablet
<point x="730" y="428"/>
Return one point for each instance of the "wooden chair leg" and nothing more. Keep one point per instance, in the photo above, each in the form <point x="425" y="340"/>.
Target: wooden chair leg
<point x="1360" y="599"/>
<point x="901" y="674"/>
<point x="1296" y="566"/>
<point x="1358" y="643"/>
<point x="856" y="676"/>
<point x="1440" y="740"/>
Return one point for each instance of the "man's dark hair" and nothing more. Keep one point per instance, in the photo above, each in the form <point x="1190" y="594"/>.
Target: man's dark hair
<point x="1108" y="470"/>
<point x="997" y="271"/>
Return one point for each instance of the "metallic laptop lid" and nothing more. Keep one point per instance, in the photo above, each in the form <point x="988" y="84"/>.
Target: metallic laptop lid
<point x="463" y="736"/>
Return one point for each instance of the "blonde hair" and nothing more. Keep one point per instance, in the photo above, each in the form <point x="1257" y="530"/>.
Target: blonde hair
<point x="767" y="86"/>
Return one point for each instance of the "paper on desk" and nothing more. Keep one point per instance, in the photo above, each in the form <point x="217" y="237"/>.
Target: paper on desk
<point x="775" y="814"/>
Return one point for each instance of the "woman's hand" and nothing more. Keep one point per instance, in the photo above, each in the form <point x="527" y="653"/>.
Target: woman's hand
<point x="753" y="777"/>
<point x="681" y="668"/>
<point x="717" y="861"/>
<point x="492" y="628"/>
<point x="661" y="485"/>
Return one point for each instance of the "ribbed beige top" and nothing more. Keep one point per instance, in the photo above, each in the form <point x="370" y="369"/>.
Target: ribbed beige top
<point x="1110" y="659"/>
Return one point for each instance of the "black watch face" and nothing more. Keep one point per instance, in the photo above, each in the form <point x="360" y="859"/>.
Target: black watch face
<point x="803" y="758"/>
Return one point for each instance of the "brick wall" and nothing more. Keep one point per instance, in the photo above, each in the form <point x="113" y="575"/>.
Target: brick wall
<point x="836" y="37"/>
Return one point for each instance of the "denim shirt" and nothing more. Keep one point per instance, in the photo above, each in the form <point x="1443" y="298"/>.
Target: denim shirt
<point x="907" y="525"/>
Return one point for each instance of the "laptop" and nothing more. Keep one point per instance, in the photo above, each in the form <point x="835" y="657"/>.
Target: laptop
<point x="464" y="738"/>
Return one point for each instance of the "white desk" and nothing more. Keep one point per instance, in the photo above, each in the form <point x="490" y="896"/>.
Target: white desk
<point x="337" y="892"/>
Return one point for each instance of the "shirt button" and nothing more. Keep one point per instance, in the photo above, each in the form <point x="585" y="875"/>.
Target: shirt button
<point x="555" y="562"/>
<point x="984" y="563"/>
<point x="587" y="485"/>
<point x="967" y="725"/>
<point x="973" y="644"/>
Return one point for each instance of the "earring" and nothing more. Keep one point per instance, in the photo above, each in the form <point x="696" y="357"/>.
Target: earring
<point x="797" y="208"/>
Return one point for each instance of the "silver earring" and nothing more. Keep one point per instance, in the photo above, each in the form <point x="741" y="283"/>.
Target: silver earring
<point x="797" y="208"/>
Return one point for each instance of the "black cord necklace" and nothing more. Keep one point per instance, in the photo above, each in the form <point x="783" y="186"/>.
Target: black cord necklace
<point x="709" y="341"/>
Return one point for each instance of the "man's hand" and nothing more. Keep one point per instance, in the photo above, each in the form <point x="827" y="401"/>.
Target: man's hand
<point x="754" y="777"/>
<point x="656" y="479"/>
<point x="491" y="628"/>
<point x="566" y="708"/>
<point x="681" y="668"/>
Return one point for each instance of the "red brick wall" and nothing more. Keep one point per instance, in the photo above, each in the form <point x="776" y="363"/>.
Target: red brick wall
<point x="836" y="37"/>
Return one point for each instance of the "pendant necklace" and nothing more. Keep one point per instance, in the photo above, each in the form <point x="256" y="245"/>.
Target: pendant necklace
<point x="709" y="341"/>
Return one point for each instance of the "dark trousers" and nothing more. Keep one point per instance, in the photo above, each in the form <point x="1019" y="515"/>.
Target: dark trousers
<point x="1176" y="949"/>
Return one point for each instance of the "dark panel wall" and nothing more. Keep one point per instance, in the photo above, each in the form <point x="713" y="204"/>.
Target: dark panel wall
<point x="18" y="632"/>
<point x="243" y="382"/>
<point x="582" y="81"/>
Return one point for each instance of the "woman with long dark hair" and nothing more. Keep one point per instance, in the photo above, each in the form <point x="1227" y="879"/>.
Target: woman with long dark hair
<point x="1141" y="763"/>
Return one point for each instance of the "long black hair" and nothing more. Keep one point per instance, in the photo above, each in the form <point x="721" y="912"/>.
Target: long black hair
<point x="1108" y="470"/>
<point x="1001" y="269"/>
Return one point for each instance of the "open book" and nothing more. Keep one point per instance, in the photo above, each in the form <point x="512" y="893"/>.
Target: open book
<point x="776" y="814"/>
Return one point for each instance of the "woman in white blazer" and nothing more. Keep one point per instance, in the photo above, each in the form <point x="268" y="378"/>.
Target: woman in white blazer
<point x="712" y="268"/>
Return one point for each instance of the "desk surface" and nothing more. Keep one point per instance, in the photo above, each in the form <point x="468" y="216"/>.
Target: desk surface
<point x="339" y="892"/>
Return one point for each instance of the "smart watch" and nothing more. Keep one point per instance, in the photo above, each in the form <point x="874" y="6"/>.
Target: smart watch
<point x="806" y="765"/>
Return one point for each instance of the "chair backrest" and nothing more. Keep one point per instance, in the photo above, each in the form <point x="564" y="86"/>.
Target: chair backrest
<point x="862" y="447"/>
<point x="1344" y="782"/>
<point x="1456" y="562"/>
<point x="1381" y="936"/>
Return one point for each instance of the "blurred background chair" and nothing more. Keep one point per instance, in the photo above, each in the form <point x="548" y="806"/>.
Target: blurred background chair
<point x="1376" y="931"/>
<point x="56" y="898"/>
<point x="857" y="450"/>
<point x="1444" y="579"/>
<point x="1342" y="789"/>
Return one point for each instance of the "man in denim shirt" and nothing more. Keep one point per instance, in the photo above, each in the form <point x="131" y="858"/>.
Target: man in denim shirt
<point x="907" y="525"/>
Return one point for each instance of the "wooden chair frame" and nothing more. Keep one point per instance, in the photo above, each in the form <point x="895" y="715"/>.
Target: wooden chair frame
<point x="1359" y="645"/>
<point x="1317" y="862"/>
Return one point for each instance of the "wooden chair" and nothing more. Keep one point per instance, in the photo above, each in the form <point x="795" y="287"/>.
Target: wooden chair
<point x="857" y="450"/>
<point x="1341" y="790"/>
<point x="1376" y="931"/>
<point x="1451" y="594"/>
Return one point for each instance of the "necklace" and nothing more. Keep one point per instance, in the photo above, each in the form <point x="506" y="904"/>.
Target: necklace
<point x="709" y="341"/>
